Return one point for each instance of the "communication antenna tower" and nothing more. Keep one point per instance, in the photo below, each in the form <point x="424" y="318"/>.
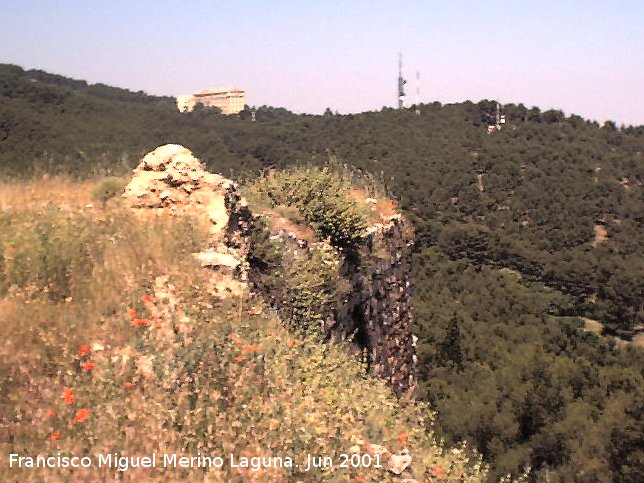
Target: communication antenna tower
<point x="401" y="83"/>
<point x="495" y="120"/>
<point x="500" y="115"/>
<point x="417" y="93"/>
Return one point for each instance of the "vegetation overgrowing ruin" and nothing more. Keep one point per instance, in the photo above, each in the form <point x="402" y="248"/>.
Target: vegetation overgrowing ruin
<point x="126" y="335"/>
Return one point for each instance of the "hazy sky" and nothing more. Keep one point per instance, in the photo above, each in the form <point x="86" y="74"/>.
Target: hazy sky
<point x="584" y="56"/>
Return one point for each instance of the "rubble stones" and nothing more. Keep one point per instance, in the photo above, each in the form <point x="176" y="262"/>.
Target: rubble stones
<point x="171" y="180"/>
<point x="397" y="463"/>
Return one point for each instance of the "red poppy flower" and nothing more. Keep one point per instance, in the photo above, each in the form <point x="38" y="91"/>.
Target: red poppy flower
<point x="147" y="298"/>
<point x="81" y="415"/>
<point x="239" y="358"/>
<point x="83" y="350"/>
<point x="402" y="438"/>
<point x="251" y="348"/>
<point x="56" y="436"/>
<point x="438" y="471"/>
<point x="128" y="385"/>
<point x="50" y="413"/>
<point x="89" y="366"/>
<point x="131" y="313"/>
<point x="68" y="395"/>
<point x="291" y="343"/>
<point x="140" y="322"/>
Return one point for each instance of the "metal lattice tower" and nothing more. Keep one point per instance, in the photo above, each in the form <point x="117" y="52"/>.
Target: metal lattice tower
<point x="500" y="115"/>
<point x="417" y="93"/>
<point x="401" y="83"/>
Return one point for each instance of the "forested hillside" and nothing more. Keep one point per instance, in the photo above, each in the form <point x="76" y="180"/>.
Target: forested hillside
<point x="556" y="199"/>
<point x="507" y="371"/>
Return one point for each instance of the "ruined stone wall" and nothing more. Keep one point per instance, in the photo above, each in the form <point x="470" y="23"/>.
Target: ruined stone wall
<point x="379" y="309"/>
<point x="376" y="311"/>
<point x="170" y="180"/>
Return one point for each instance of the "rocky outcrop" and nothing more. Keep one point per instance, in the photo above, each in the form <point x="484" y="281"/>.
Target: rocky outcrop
<point x="171" y="180"/>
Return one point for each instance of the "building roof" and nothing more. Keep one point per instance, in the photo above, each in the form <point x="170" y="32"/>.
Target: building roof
<point x="210" y="92"/>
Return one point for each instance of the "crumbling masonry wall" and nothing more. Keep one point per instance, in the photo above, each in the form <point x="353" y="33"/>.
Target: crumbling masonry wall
<point x="379" y="310"/>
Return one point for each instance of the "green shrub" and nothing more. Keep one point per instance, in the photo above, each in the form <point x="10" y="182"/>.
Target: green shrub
<point x="303" y="284"/>
<point x="311" y="288"/>
<point x="48" y="251"/>
<point x="107" y="189"/>
<point x="321" y="196"/>
<point x="265" y="255"/>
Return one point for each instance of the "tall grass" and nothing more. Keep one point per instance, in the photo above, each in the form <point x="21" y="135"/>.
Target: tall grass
<point x="33" y="194"/>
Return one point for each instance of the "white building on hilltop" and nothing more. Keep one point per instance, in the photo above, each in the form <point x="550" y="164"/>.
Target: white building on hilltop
<point x="230" y="100"/>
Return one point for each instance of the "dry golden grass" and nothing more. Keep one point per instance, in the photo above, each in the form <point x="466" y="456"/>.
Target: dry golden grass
<point x="638" y="340"/>
<point x="601" y="234"/>
<point x="377" y="212"/>
<point x="34" y="194"/>
<point x="591" y="325"/>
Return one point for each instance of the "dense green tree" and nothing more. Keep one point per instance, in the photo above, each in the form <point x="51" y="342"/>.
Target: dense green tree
<point x="450" y="348"/>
